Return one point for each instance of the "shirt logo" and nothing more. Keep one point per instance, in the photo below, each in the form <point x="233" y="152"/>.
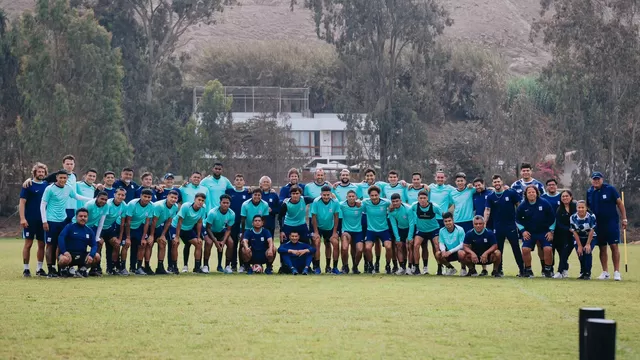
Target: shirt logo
<point x="132" y="186"/>
<point x="270" y="200"/>
<point x="506" y="199"/>
<point x="87" y="235"/>
<point x="485" y="239"/>
<point x="244" y="197"/>
<point x="604" y="196"/>
<point x="262" y="239"/>
<point x="539" y="208"/>
<point x="75" y="233"/>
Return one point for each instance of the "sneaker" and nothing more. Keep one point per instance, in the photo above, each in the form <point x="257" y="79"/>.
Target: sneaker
<point x="82" y="273"/>
<point x="41" y="272"/>
<point x="317" y="271"/>
<point x="113" y="272"/>
<point x="140" y="272"/>
<point x="484" y="272"/>
<point x="220" y="268"/>
<point x="249" y="271"/>
<point x="425" y="271"/>
<point x="387" y="270"/>
<point x="305" y="271"/>
<point x="604" y="276"/>
<point x="185" y="269"/>
<point x="471" y="273"/>
<point x="148" y="270"/>
<point x="52" y="274"/>
<point x="616" y="276"/>
<point x="529" y="274"/>
<point x="496" y="274"/>
<point x="241" y="269"/>
<point x="99" y="271"/>
<point x="558" y="275"/>
<point x="376" y="268"/>
<point x="565" y="273"/>
<point x="335" y="271"/>
<point x="464" y="272"/>
<point x="451" y="271"/>
<point x="124" y="272"/>
<point x="198" y="271"/>
<point x="93" y="272"/>
<point x="72" y="271"/>
<point x="401" y="271"/>
<point x="65" y="273"/>
<point x="356" y="271"/>
<point x="345" y="269"/>
<point x="269" y="271"/>
<point x="327" y="269"/>
<point x="586" y="277"/>
<point x="175" y="271"/>
<point x="500" y="273"/>
<point x="294" y="271"/>
<point x="409" y="271"/>
<point x="366" y="268"/>
<point x="205" y="269"/>
<point x="161" y="271"/>
<point x="26" y="273"/>
<point x="228" y="270"/>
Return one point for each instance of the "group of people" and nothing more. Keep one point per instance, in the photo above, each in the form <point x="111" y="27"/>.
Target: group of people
<point x="468" y="223"/>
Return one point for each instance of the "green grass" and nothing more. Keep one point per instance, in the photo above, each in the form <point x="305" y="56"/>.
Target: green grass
<point x="339" y="317"/>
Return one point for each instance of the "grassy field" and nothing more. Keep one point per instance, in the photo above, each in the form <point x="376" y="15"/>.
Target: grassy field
<point x="341" y="317"/>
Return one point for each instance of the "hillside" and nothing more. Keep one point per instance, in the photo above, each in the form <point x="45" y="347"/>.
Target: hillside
<point x="500" y="24"/>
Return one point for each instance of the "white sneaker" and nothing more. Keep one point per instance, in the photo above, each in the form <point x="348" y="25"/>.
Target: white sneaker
<point x="463" y="272"/>
<point x="409" y="271"/>
<point x="451" y="271"/>
<point x="241" y="269"/>
<point x="565" y="273"/>
<point x="616" y="276"/>
<point x="604" y="276"/>
<point x="72" y="271"/>
<point x="205" y="269"/>
<point x="425" y="271"/>
<point x="557" y="276"/>
<point x="185" y="269"/>
<point x="400" y="271"/>
<point x="228" y="270"/>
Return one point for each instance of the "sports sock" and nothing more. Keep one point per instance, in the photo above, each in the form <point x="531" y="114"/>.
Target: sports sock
<point x="161" y="264"/>
<point x="206" y="262"/>
<point x="39" y="265"/>
<point x="26" y="266"/>
<point x="185" y="255"/>
<point x="219" y="259"/>
<point x="389" y="263"/>
<point x="395" y="263"/>
<point x="403" y="264"/>
<point x="197" y="264"/>
<point x="316" y="264"/>
<point x="542" y="265"/>
<point x="328" y="261"/>
<point x="335" y="264"/>
<point x="139" y="264"/>
<point x="377" y="260"/>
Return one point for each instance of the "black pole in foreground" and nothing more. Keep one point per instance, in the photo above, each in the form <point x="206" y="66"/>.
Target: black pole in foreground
<point x="587" y="313"/>
<point x="601" y="339"/>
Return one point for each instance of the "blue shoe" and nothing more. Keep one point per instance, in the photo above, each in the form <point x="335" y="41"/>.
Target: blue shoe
<point x="336" y="271"/>
<point x="305" y="271"/>
<point x="269" y="271"/>
<point x="250" y="271"/>
<point x="294" y="271"/>
<point x="317" y="271"/>
<point x="220" y="269"/>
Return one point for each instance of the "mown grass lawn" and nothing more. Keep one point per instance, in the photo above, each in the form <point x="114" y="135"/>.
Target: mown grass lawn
<point x="315" y="317"/>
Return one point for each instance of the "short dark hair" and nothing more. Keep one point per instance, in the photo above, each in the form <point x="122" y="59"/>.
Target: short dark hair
<point x="423" y="192"/>
<point x="256" y="191"/>
<point x="174" y="192"/>
<point x="325" y="188"/>
<point x="369" y="170"/>
<point x="127" y="169"/>
<point x="461" y="175"/>
<point x="201" y="195"/>
<point x="395" y="196"/>
<point x="525" y="165"/>
<point x="225" y="196"/>
<point x="145" y="174"/>
<point x="196" y="172"/>
<point x="393" y="172"/>
<point x="256" y="216"/>
<point x="352" y="192"/>
<point x="552" y="180"/>
<point x="146" y="192"/>
<point x="373" y="188"/>
<point x="109" y="172"/>
<point x="102" y="193"/>
<point x="524" y="193"/>
<point x="82" y="209"/>
<point x="121" y="188"/>
<point x="480" y="180"/>
<point x="293" y="232"/>
<point x="295" y="188"/>
<point x="217" y="164"/>
<point x="91" y="170"/>
<point x="69" y="157"/>
<point x="239" y="176"/>
<point x="447" y="215"/>
<point x="293" y="171"/>
<point x="416" y="173"/>
<point x="496" y="176"/>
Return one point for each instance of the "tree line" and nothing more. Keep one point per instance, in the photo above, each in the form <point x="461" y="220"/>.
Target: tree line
<point x="106" y="80"/>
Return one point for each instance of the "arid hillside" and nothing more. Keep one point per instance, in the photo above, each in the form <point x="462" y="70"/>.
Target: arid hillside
<point x="500" y="24"/>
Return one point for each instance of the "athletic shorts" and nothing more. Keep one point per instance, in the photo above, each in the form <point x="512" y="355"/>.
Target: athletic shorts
<point x="78" y="258"/>
<point x="188" y="235"/>
<point x="583" y="242"/>
<point x="137" y="235"/>
<point x="33" y="231"/>
<point x="356" y="236"/>
<point x="158" y="232"/>
<point x="55" y="228"/>
<point x="426" y="236"/>
<point x="70" y="214"/>
<point x="111" y="232"/>
<point x="453" y="257"/>
<point x="203" y="233"/>
<point x="510" y="234"/>
<point x="466" y="225"/>
<point x="219" y="236"/>
<point x="378" y="235"/>
<point x="258" y="257"/>
<point x="404" y="235"/>
<point x="479" y="251"/>
<point x="539" y="239"/>
<point x="326" y="235"/>
<point x="363" y="223"/>
<point x="440" y="224"/>
<point x="235" y="231"/>
<point x="608" y="235"/>
<point x="303" y="230"/>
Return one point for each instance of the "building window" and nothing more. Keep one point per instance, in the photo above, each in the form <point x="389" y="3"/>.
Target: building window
<point x="308" y="142"/>
<point x="338" y="143"/>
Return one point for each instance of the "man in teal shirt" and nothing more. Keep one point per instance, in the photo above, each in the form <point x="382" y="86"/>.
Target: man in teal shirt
<point x="394" y="187"/>
<point x="427" y="229"/>
<point x="217" y="185"/>
<point x="139" y="213"/>
<point x="325" y="212"/>
<point x="252" y="207"/>
<point x="345" y="186"/>
<point x="189" y="192"/>
<point x="451" y="239"/>
<point x="219" y="222"/>
<point x="415" y="187"/>
<point x="314" y="189"/>
<point x="163" y="213"/>
<point x="87" y="187"/>
<point x="187" y="226"/>
<point x="377" y="227"/>
<point x="440" y="193"/>
<point x="403" y="223"/>
<point x="352" y="236"/>
<point x="113" y="229"/>
<point x="95" y="221"/>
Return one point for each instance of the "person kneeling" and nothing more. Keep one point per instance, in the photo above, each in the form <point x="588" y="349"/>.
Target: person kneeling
<point x="296" y="256"/>
<point x="73" y="242"/>
<point x="451" y="238"/>
<point x="481" y="248"/>
<point x="257" y="247"/>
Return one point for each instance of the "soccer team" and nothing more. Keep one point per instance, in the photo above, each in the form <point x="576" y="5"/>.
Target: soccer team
<point x="468" y="223"/>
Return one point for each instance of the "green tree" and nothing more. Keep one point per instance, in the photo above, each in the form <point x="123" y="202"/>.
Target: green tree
<point x="71" y="80"/>
<point x="215" y="118"/>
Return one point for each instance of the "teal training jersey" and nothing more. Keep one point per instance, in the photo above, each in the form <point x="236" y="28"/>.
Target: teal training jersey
<point x="114" y="213"/>
<point x="163" y="213"/>
<point x="463" y="202"/>
<point x="138" y="213"/>
<point x="364" y="186"/>
<point x="296" y="213"/>
<point x="398" y="189"/>
<point x="95" y="213"/>
<point x="189" y="216"/>
<point x="190" y="191"/>
<point x="325" y="212"/>
<point x="84" y="189"/>
<point x="217" y="188"/>
<point x="351" y="217"/>
<point x="441" y="195"/>
<point x="249" y="210"/>
<point x="424" y="224"/>
<point x="57" y="198"/>
<point x="342" y="190"/>
<point x="453" y="240"/>
<point x="71" y="181"/>
<point x="412" y="194"/>
<point x="376" y="214"/>
<point x="220" y="221"/>
<point x="314" y="190"/>
<point x="402" y="218"/>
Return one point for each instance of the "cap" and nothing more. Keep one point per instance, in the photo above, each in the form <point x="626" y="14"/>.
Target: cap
<point x="168" y="175"/>
<point x="596" y="175"/>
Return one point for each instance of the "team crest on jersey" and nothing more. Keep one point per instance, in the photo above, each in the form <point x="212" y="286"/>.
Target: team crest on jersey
<point x="262" y="239"/>
<point x="87" y="235"/>
<point x="604" y="196"/>
<point x="539" y="208"/>
<point x="506" y="199"/>
<point x="244" y="197"/>
<point x="485" y="240"/>
<point x="270" y="200"/>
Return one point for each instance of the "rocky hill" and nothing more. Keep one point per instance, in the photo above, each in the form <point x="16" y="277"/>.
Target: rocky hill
<point x="503" y="25"/>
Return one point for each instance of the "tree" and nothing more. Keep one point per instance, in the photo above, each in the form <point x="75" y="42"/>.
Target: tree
<point x="371" y="37"/>
<point x="71" y="80"/>
<point x="215" y="118"/>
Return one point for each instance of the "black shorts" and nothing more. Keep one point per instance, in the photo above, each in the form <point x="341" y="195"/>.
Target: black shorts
<point x="34" y="231"/>
<point x="453" y="257"/>
<point x="218" y="236"/>
<point x="326" y="235"/>
<point x="78" y="258"/>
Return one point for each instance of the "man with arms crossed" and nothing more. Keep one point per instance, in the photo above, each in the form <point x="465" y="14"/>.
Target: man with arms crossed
<point x="376" y="209"/>
<point x="189" y="192"/>
<point x="427" y="228"/>
<point x="217" y="185"/>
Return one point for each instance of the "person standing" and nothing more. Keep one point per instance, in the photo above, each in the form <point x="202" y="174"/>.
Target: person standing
<point x="31" y="220"/>
<point x="562" y="238"/>
<point x="582" y="228"/>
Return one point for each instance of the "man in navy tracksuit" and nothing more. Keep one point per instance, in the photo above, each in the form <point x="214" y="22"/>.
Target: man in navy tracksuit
<point x="296" y="256"/>
<point x="73" y="242"/>
<point x="536" y="221"/>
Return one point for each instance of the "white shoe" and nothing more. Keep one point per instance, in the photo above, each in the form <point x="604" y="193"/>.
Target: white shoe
<point x="241" y="269"/>
<point x="409" y="271"/>
<point x="425" y="271"/>
<point x="401" y="271"/>
<point x="616" y="276"/>
<point x="604" y="276"/>
<point x="565" y="273"/>
<point x="185" y="269"/>
<point x="205" y="269"/>
<point x="451" y="271"/>
<point x="463" y="272"/>
<point x="557" y="276"/>
<point x="72" y="271"/>
<point x="228" y="270"/>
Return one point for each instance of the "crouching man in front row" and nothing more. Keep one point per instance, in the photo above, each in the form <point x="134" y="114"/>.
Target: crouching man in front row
<point x="73" y="242"/>
<point x="481" y="248"/>
<point x="296" y="256"/>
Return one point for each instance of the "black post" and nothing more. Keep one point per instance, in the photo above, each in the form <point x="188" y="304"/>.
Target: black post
<point x="601" y="339"/>
<point x="586" y="313"/>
